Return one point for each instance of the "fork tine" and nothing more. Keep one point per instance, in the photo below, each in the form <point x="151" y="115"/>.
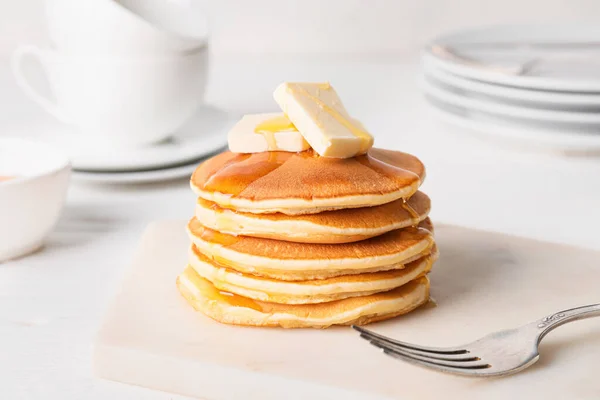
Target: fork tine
<point x="369" y="335"/>
<point x="464" y="357"/>
<point x="471" y="364"/>
<point x="438" y="367"/>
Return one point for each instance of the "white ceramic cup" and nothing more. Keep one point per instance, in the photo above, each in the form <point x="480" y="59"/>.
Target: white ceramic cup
<point x="31" y="201"/>
<point x="126" y="27"/>
<point x="118" y="100"/>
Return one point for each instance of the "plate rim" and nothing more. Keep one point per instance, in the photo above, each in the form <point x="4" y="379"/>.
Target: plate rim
<point x="523" y="81"/>
<point x="550" y="140"/>
<point x="543" y="116"/>
<point x="509" y="93"/>
<point x="146" y="176"/>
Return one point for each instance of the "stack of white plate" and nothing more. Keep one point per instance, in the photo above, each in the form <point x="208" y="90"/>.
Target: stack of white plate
<point x="538" y="85"/>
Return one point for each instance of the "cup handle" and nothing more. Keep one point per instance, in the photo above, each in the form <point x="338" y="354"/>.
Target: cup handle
<point x="16" y="62"/>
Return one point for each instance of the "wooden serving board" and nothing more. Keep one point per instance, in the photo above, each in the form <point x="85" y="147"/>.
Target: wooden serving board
<point x="482" y="282"/>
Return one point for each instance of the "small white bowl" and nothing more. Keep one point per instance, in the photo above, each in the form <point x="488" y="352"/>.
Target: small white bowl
<point x="32" y="198"/>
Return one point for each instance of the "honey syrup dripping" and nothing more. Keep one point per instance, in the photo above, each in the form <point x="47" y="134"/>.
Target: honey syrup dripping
<point x="242" y="170"/>
<point x="275" y="124"/>
<point x="209" y="291"/>
<point x="270" y="139"/>
<point x="414" y="215"/>
<point x="220" y="262"/>
<point x="236" y="300"/>
<point x="271" y="126"/>
<point x="223" y="221"/>
<point x="213" y="236"/>
<point x="386" y="167"/>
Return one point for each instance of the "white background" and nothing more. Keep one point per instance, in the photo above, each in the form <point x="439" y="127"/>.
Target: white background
<point x="361" y="27"/>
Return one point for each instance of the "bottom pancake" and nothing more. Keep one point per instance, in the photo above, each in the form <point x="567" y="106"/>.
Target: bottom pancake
<point x="309" y="291"/>
<point x="234" y="309"/>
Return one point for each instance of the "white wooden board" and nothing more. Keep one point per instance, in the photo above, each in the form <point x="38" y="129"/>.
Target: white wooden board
<point x="482" y="282"/>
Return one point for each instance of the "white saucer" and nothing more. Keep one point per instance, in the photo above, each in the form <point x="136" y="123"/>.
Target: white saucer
<point x="487" y="54"/>
<point x="157" y="175"/>
<point x="486" y="125"/>
<point x="202" y="135"/>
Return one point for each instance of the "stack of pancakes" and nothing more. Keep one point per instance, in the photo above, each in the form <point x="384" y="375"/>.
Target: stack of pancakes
<point x="299" y="240"/>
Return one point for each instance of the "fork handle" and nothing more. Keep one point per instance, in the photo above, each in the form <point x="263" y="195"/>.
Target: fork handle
<point x="557" y="319"/>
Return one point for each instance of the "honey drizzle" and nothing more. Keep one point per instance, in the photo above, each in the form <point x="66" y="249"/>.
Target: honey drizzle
<point x="209" y="291"/>
<point x="218" y="261"/>
<point x="268" y="128"/>
<point x="223" y="222"/>
<point x="242" y="170"/>
<point x="276" y="124"/>
<point x="213" y="236"/>
<point x="414" y="215"/>
<point x="236" y="300"/>
<point x="397" y="173"/>
<point x="270" y="139"/>
<point x="208" y="177"/>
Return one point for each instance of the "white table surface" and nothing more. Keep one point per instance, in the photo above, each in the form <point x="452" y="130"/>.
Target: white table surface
<point x="52" y="302"/>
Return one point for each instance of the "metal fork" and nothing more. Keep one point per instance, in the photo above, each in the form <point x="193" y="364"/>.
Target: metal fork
<point x="499" y="353"/>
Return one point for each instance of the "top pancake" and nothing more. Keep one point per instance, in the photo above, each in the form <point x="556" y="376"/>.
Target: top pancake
<point x="305" y="183"/>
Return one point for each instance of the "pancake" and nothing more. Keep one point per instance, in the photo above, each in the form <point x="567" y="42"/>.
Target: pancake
<point x="305" y="183"/>
<point x="338" y="226"/>
<point x="305" y="261"/>
<point x="233" y="309"/>
<point x="309" y="292"/>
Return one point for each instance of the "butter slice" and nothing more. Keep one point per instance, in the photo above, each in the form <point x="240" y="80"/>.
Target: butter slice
<point x="256" y="133"/>
<point x="318" y="113"/>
